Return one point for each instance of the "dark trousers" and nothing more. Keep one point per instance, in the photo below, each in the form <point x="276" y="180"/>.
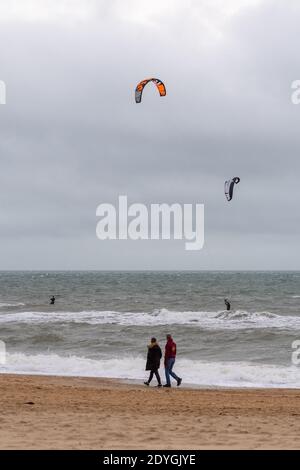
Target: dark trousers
<point x="152" y="372"/>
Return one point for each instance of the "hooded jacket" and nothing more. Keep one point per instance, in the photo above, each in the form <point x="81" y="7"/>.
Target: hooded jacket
<point x="153" y="357"/>
<point x="170" y="350"/>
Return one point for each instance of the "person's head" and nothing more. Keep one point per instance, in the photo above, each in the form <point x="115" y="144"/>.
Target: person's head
<point x="153" y="340"/>
<point x="169" y="337"/>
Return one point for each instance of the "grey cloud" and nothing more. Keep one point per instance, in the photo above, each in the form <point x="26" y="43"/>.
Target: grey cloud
<point x="72" y="137"/>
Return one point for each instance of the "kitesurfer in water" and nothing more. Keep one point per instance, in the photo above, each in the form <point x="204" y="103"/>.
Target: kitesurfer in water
<point x="227" y="304"/>
<point x="52" y="300"/>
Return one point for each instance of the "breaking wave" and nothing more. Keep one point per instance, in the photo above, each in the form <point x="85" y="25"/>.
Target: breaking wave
<point x="238" y="319"/>
<point x="194" y="372"/>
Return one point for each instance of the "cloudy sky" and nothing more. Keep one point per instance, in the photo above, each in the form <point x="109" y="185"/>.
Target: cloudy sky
<point x="72" y="137"/>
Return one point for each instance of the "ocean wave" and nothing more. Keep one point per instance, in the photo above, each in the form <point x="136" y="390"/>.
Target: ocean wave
<point x="201" y="373"/>
<point x="248" y="316"/>
<point x="17" y="304"/>
<point x="238" y="319"/>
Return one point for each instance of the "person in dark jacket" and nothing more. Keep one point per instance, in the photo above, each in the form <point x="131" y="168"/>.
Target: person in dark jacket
<point x="153" y="361"/>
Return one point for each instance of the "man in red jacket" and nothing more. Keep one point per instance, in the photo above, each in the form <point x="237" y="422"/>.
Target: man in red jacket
<point x="170" y="355"/>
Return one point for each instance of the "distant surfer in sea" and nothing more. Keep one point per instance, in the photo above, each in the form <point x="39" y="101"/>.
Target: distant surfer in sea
<point x="52" y="300"/>
<point x="227" y="303"/>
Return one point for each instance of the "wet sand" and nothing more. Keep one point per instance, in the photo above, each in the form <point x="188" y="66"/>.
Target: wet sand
<point x="40" y="412"/>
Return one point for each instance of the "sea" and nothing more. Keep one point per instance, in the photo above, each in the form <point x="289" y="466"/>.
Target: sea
<point x="102" y="322"/>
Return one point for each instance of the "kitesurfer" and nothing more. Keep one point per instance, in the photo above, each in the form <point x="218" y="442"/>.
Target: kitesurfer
<point x="52" y="300"/>
<point x="227" y="303"/>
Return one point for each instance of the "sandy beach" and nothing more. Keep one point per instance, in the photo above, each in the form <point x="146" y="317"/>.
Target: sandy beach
<point x="41" y="412"/>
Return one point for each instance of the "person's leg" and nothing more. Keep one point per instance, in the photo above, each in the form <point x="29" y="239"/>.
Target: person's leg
<point x="168" y="382"/>
<point x="157" y="377"/>
<point x="178" y="379"/>
<point x="171" y="364"/>
<point x="150" y="376"/>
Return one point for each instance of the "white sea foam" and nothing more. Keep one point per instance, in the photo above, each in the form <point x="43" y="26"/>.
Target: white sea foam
<point x="201" y="373"/>
<point x="207" y="320"/>
<point x="5" y="304"/>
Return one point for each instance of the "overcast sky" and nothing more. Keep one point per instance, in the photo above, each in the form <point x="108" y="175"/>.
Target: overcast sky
<point x="72" y="137"/>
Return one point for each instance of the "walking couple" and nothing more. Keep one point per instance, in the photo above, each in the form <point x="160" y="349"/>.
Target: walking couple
<point x="153" y="361"/>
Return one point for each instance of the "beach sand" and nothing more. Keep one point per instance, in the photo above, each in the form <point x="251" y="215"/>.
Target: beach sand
<point x="90" y="413"/>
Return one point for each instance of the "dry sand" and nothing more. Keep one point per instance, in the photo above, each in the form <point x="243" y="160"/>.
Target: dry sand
<point x="89" y="413"/>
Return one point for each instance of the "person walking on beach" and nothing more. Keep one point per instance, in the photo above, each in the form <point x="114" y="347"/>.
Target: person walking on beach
<point x="153" y="361"/>
<point x="170" y="355"/>
<point x="227" y="303"/>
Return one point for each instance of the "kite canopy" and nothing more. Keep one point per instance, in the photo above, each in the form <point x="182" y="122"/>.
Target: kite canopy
<point x="229" y="185"/>
<point x="140" y="87"/>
